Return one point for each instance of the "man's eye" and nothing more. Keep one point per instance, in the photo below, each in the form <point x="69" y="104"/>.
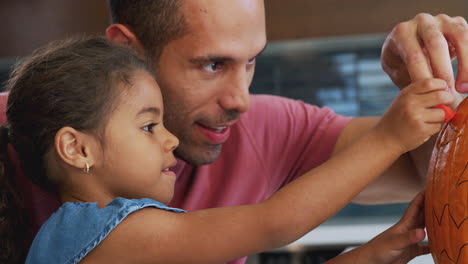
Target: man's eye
<point x="149" y="127"/>
<point x="213" y="67"/>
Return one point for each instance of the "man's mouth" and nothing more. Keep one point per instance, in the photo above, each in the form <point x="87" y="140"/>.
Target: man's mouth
<point x="217" y="129"/>
<point x="215" y="134"/>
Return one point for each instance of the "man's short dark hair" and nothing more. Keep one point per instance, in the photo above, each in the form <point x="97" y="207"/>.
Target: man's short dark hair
<point x="154" y="22"/>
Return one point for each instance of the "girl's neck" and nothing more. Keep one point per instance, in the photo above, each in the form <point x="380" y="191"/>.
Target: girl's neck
<point x="85" y="194"/>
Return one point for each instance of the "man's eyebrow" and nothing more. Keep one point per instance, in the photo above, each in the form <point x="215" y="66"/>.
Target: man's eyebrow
<point x="214" y="58"/>
<point x="154" y="110"/>
<point x="210" y="58"/>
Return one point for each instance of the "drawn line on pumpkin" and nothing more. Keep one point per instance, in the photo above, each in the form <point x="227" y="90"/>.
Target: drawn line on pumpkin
<point x="439" y="221"/>
<point x="447" y="208"/>
<point x="446" y="254"/>
<point x="443" y="143"/>
<point x="460" y="176"/>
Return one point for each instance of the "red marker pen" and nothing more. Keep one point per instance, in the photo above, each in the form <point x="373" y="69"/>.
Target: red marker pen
<point x="449" y="113"/>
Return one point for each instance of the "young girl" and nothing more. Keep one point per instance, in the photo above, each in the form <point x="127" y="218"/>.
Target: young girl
<point x="86" y="119"/>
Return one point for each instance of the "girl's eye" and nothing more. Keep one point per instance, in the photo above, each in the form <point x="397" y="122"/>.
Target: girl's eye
<point x="149" y="127"/>
<point x="213" y="67"/>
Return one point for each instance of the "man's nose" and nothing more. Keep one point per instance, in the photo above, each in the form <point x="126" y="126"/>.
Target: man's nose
<point x="236" y="93"/>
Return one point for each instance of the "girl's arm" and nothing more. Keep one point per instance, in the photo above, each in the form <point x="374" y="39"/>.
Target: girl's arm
<point x="221" y="234"/>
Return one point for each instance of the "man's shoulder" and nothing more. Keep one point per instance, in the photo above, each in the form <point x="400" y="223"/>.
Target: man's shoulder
<point x="264" y="106"/>
<point x="269" y="100"/>
<point x="273" y="121"/>
<point x="267" y="109"/>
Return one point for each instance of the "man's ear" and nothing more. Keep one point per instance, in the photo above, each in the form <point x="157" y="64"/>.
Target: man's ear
<point x="75" y="148"/>
<point x="123" y="35"/>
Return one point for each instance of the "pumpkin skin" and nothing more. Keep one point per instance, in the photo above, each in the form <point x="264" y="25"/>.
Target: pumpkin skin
<point x="446" y="202"/>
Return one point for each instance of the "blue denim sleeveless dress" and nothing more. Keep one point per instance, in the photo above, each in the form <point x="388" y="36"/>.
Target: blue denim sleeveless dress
<point x="77" y="228"/>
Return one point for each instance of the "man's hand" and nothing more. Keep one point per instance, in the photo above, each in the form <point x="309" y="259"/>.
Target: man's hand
<point x="424" y="47"/>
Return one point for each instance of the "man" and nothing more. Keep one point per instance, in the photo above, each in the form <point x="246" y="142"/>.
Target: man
<point x="236" y="148"/>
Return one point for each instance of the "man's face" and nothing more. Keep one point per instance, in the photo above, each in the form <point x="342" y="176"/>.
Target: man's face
<point x="205" y="76"/>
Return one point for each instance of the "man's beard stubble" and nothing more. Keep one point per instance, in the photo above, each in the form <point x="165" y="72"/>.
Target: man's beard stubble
<point x="195" y="153"/>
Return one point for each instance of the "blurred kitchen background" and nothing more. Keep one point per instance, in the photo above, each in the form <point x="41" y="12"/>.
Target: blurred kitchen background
<point x="324" y="52"/>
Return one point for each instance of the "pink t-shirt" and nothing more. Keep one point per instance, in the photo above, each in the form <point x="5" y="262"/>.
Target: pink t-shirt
<point x="278" y="140"/>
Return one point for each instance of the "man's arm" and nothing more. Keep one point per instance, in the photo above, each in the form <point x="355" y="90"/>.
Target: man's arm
<point x="418" y="49"/>
<point x="403" y="180"/>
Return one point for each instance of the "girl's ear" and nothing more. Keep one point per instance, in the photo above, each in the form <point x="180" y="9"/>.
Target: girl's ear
<point x="75" y="148"/>
<point x="123" y="35"/>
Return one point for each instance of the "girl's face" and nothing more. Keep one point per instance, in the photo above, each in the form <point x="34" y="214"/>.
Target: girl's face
<point x="137" y="153"/>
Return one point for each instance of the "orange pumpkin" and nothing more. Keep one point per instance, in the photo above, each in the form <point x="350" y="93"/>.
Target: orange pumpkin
<point x="446" y="205"/>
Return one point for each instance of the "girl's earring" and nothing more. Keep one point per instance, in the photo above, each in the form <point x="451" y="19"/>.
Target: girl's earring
<point x="86" y="169"/>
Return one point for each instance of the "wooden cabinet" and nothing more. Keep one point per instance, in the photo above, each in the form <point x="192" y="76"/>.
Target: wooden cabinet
<point x="294" y="19"/>
<point x="27" y="25"/>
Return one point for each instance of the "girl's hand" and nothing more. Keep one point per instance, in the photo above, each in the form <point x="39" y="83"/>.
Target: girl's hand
<point x="413" y="117"/>
<point x="397" y="245"/>
<point x="400" y="243"/>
